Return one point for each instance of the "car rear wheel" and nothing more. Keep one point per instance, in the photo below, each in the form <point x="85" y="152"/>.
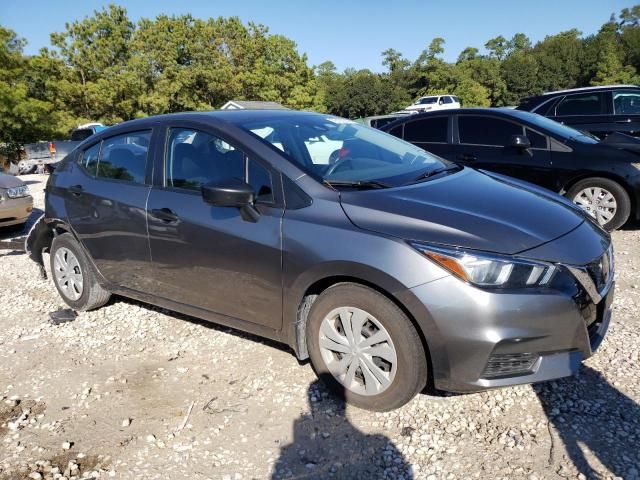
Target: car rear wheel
<point x="603" y="199"/>
<point x="365" y="348"/>
<point x="74" y="276"/>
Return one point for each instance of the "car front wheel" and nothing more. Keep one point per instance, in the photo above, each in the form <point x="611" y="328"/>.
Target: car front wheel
<point x="365" y="348"/>
<point x="604" y="199"/>
<point x="74" y="276"/>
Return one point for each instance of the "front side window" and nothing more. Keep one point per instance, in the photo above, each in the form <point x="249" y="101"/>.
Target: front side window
<point x="626" y="103"/>
<point x="195" y="158"/>
<point x="88" y="159"/>
<point x="537" y="140"/>
<point x="335" y="149"/>
<point x="477" y="130"/>
<point x="427" y="130"/>
<point x="592" y="103"/>
<point x="124" y="157"/>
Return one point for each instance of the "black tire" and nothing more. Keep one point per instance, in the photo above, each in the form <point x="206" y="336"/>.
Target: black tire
<point x="411" y="373"/>
<point x="619" y="193"/>
<point x="93" y="294"/>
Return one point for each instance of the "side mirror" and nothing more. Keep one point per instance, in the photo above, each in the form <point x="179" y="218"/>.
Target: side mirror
<point x="520" y="141"/>
<point x="231" y="192"/>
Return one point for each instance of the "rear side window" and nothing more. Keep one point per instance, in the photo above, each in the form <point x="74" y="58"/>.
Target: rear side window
<point x="476" y="130"/>
<point x="427" y="130"/>
<point x="448" y="100"/>
<point x="582" y="104"/>
<point x="626" y="103"/>
<point x="81" y="134"/>
<point x="89" y="159"/>
<point x="124" y="157"/>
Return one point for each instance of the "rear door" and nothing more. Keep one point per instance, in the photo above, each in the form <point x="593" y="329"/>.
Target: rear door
<point x="588" y="111"/>
<point x="212" y="257"/>
<point x="105" y="196"/>
<point x="485" y="143"/>
<point x="626" y="109"/>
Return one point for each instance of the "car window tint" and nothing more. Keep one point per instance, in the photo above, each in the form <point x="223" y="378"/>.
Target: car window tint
<point x="626" y="103"/>
<point x="396" y="131"/>
<point x="537" y="140"/>
<point x="478" y="130"/>
<point x="124" y="157"/>
<point x="89" y="159"/>
<point x="592" y="103"/>
<point x="426" y="130"/>
<point x="195" y="158"/>
<point x="448" y="100"/>
<point x="381" y="122"/>
<point x="260" y="179"/>
<point x="81" y="134"/>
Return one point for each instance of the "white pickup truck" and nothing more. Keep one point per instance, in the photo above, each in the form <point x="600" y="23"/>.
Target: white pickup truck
<point x="41" y="154"/>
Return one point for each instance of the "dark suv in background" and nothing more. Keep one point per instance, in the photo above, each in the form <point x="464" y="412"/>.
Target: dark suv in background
<point x="597" y="110"/>
<point x="602" y="177"/>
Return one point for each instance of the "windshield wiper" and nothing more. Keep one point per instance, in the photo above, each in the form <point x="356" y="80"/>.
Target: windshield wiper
<point x="437" y="171"/>
<point x="356" y="183"/>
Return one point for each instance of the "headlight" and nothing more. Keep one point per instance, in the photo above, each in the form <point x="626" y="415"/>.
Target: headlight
<point x="488" y="270"/>
<point x="15" y="192"/>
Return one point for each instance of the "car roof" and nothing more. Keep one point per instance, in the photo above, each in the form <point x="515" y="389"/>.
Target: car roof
<point x="498" y="112"/>
<point x="586" y="89"/>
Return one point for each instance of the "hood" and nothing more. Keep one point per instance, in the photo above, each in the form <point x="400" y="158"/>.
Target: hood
<point x="467" y="209"/>
<point x="9" y="181"/>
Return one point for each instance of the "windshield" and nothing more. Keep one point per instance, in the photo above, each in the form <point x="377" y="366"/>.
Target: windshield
<point x="335" y="149"/>
<point x="427" y="100"/>
<point x="556" y="128"/>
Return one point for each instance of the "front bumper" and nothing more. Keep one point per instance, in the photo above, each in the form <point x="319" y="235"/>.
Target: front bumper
<point x="467" y="328"/>
<point x="14" y="211"/>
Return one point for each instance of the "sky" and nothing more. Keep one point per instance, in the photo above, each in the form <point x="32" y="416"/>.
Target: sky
<point x="350" y="33"/>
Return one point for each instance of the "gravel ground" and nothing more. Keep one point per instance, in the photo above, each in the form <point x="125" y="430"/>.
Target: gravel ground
<point x="134" y="391"/>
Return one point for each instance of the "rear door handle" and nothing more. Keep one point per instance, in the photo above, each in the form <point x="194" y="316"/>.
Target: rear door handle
<point x="165" y="214"/>
<point x="464" y="157"/>
<point x="76" y="190"/>
<point x="627" y="120"/>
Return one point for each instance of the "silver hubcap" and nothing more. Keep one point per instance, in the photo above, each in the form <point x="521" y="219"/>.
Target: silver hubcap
<point x="358" y="350"/>
<point x="597" y="202"/>
<point x="68" y="273"/>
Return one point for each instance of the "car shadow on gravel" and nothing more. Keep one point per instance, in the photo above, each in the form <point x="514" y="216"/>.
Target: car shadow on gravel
<point x="587" y="413"/>
<point x="326" y="445"/>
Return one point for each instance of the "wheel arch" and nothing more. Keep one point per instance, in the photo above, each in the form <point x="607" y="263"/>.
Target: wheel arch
<point x="41" y="237"/>
<point x="635" y="202"/>
<point x="303" y="296"/>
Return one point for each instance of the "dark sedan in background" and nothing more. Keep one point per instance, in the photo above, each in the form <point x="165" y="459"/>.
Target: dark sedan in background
<point x="600" y="111"/>
<point x="602" y="177"/>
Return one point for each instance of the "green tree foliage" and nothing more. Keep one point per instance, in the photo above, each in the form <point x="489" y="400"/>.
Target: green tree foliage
<point x="26" y="114"/>
<point x="106" y="67"/>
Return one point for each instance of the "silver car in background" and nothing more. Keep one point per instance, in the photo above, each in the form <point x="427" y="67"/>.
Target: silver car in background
<point x="15" y="202"/>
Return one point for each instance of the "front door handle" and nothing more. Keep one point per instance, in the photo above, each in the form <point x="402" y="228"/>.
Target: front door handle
<point x="164" y="214"/>
<point x="76" y="190"/>
<point x="465" y="157"/>
<point x="626" y="120"/>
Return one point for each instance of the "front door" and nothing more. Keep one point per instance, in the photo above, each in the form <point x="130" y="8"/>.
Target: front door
<point x="212" y="257"/>
<point x="485" y="143"/>
<point x="105" y="198"/>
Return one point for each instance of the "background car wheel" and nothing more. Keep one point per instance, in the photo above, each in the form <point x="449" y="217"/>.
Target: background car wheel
<point x="74" y="276"/>
<point x="605" y="200"/>
<point x="365" y="347"/>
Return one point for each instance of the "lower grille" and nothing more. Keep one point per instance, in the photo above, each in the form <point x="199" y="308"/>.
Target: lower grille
<point x="510" y="364"/>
